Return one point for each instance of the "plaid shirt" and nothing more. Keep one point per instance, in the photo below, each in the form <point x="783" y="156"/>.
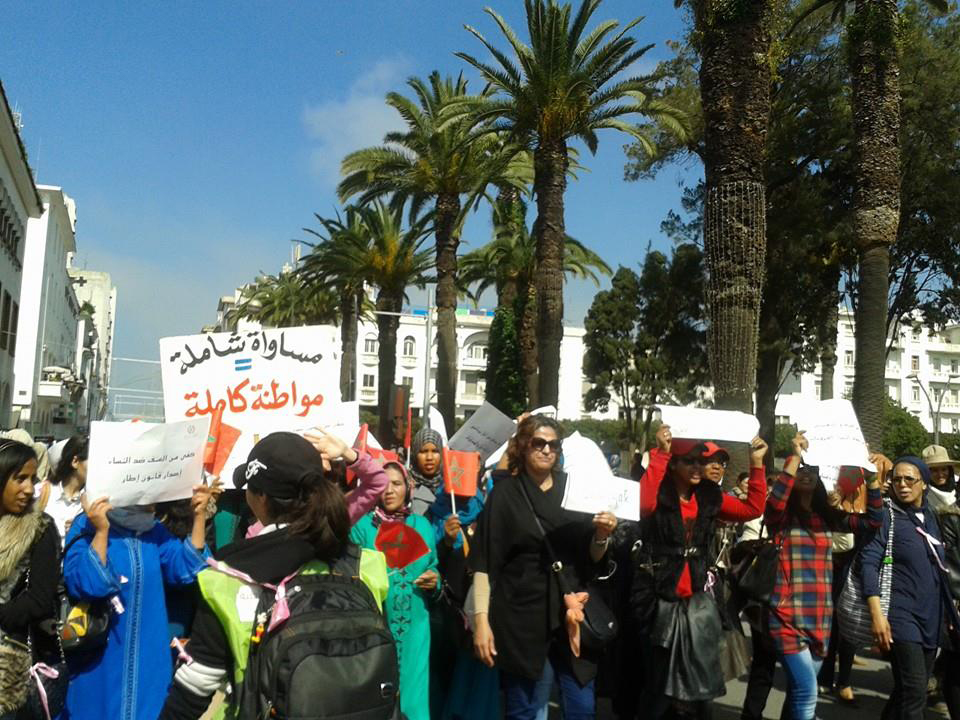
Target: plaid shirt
<point x="801" y="606"/>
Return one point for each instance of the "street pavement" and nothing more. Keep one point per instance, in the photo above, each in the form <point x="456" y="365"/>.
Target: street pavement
<point x="871" y="680"/>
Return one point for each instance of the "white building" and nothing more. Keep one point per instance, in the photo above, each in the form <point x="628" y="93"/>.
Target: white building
<point x="19" y="203"/>
<point x="919" y="360"/>
<point x="473" y="331"/>
<point x="95" y="289"/>
<point x="49" y="370"/>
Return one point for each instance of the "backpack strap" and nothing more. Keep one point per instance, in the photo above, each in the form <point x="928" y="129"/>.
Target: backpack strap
<point x="348" y="564"/>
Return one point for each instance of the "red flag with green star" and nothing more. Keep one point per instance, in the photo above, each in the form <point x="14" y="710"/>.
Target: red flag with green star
<point x="400" y="544"/>
<point x="460" y="472"/>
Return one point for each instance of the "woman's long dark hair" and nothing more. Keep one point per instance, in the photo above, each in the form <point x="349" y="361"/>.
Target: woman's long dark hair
<point x="819" y="505"/>
<point x="13" y="456"/>
<point x="519" y="443"/>
<point x="319" y="516"/>
<point x="76" y="447"/>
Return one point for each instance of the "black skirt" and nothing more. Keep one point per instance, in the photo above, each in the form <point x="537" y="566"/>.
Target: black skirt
<point x="689" y="633"/>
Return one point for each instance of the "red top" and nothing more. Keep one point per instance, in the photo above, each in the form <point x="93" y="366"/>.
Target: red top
<point x="732" y="509"/>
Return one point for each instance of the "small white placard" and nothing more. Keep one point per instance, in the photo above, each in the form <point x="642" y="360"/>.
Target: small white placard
<point x="142" y="463"/>
<point x="834" y="435"/>
<point x="704" y="424"/>
<point x="591" y="485"/>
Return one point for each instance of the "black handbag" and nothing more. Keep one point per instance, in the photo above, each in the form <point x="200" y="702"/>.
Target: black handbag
<point x="84" y="625"/>
<point x="753" y="571"/>
<point x="599" y="626"/>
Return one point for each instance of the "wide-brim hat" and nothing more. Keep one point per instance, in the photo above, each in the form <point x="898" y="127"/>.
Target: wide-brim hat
<point x="937" y="456"/>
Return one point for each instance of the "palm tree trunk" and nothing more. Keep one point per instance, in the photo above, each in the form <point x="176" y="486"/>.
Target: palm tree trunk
<point x="550" y="163"/>
<point x="828" y="355"/>
<point x="349" y="319"/>
<point x="527" y="332"/>
<point x="735" y="94"/>
<point x="387" y="361"/>
<point x="445" y="220"/>
<point x="875" y="71"/>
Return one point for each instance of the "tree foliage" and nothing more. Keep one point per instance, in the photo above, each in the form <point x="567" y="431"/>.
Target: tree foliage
<point x="285" y="300"/>
<point x="903" y="432"/>
<point x="505" y="386"/>
<point x="645" y="339"/>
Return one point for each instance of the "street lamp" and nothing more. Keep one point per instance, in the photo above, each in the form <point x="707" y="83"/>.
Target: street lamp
<point x="935" y="414"/>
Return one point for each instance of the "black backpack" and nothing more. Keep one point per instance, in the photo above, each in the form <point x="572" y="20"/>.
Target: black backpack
<point x="334" y="657"/>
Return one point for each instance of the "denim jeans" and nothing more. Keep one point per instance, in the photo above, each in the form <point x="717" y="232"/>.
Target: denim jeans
<point x="527" y="699"/>
<point x="801" y="670"/>
<point x="911" y="664"/>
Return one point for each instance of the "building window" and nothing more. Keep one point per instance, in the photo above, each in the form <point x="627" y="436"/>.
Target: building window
<point x="14" y="321"/>
<point x="409" y="347"/>
<point x="914" y="362"/>
<point x="848" y="330"/>
<point x="406" y="381"/>
<point x="477" y="351"/>
<point x="848" y="390"/>
<point x="5" y="321"/>
<point x="471" y="383"/>
<point x="916" y="332"/>
<point x="848" y="358"/>
<point x="369" y="381"/>
<point x="937" y="392"/>
<point x="954" y="366"/>
<point x="370" y="345"/>
<point x="916" y="394"/>
<point x="954" y="425"/>
<point x="936" y="364"/>
<point x="818" y="389"/>
<point x="892" y="392"/>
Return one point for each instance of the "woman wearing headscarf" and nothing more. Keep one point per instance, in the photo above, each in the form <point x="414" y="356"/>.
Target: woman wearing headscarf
<point x="800" y="610"/>
<point x="126" y="556"/>
<point x="29" y="574"/>
<point x="426" y="469"/>
<point x="919" y="597"/>
<point x="410" y="548"/>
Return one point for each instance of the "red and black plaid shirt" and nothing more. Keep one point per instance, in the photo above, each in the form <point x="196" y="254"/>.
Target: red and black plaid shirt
<point x="801" y="606"/>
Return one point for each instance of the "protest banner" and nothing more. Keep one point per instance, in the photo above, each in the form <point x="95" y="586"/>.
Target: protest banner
<point x="143" y="463"/>
<point x="704" y="424"/>
<point x="591" y="485"/>
<point x="483" y="432"/>
<point x="460" y="472"/>
<point x="833" y="434"/>
<point x="259" y="382"/>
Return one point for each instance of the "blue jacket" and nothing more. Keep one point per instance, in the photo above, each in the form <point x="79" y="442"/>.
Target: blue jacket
<point x="129" y="678"/>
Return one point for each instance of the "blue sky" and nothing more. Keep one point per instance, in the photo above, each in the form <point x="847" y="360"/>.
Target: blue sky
<point x="199" y="138"/>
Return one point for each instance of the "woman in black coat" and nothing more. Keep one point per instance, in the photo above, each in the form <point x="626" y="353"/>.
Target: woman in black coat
<point x="519" y="610"/>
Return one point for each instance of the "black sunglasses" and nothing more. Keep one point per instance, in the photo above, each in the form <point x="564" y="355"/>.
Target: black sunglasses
<point x="538" y="444"/>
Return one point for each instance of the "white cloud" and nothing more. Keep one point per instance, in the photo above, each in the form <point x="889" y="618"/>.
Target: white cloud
<point x="362" y="118"/>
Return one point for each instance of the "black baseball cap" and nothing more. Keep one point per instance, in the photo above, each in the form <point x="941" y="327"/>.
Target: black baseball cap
<point x="280" y="465"/>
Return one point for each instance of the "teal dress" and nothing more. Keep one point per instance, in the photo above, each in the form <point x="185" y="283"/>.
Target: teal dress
<point x="408" y="614"/>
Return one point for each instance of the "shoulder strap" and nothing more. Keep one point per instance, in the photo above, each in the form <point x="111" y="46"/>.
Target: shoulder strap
<point x="555" y="564"/>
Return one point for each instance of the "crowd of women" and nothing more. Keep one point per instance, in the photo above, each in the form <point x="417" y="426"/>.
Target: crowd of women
<point x="508" y="600"/>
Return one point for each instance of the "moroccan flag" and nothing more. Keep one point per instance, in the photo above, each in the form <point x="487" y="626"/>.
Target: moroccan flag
<point x="360" y="445"/>
<point x="383" y="456"/>
<point x="400" y="543"/>
<point x="849" y="480"/>
<point x="220" y="441"/>
<point x="460" y="472"/>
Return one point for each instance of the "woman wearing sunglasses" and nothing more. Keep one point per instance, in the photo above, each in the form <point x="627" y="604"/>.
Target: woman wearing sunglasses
<point x="670" y="596"/>
<point x="519" y="610"/>
<point x="919" y="596"/>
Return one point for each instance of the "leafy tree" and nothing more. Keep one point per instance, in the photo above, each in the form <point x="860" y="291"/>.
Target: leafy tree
<point x="440" y="160"/>
<point x="332" y="263"/>
<point x="505" y="386"/>
<point x="284" y="300"/>
<point x="563" y="85"/>
<point x="783" y="435"/>
<point x="644" y="337"/>
<point x="903" y="433"/>
<point x="509" y="265"/>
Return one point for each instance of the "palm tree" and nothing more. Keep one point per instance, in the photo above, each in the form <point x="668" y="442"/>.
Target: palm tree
<point x="562" y="87"/>
<point x="329" y="265"/>
<point x="874" y="61"/>
<point x="379" y="251"/>
<point x="508" y="264"/>
<point x="284" y="300"/>
<point x="440" y="160"/>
